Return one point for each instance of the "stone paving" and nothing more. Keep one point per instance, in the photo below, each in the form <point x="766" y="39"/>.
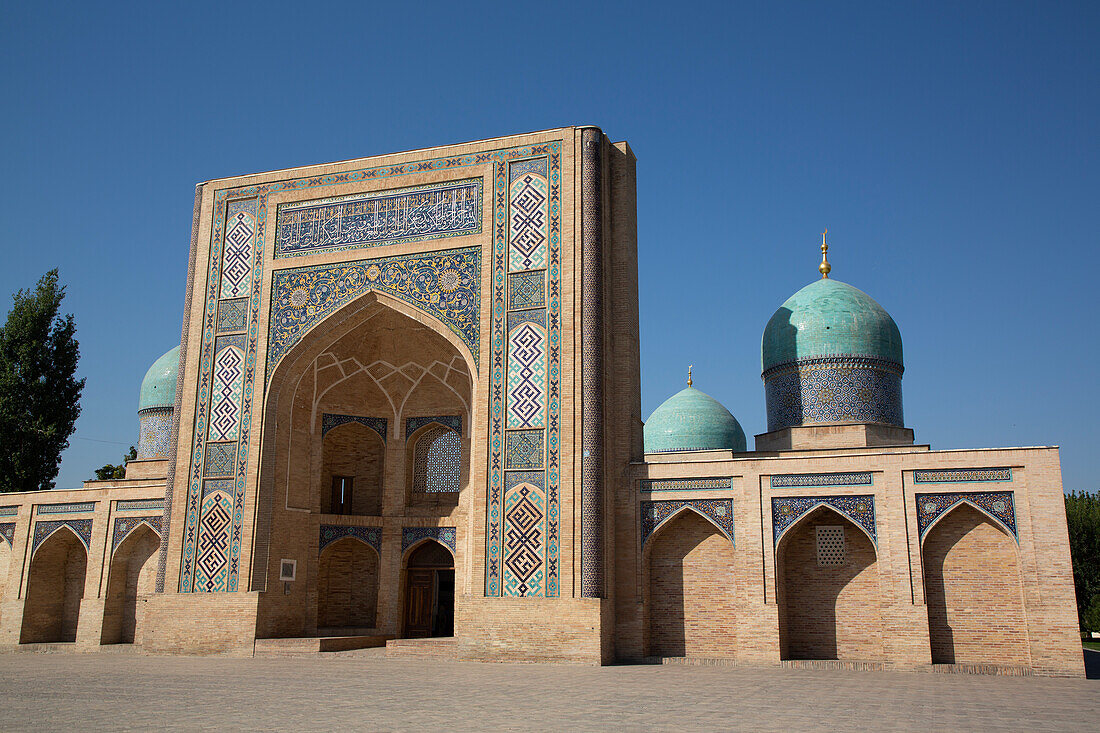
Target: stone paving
<point x="104" y="691"/>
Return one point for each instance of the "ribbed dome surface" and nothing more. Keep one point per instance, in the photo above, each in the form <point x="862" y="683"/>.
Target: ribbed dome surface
<point x="692" y="420"/>
<point x="830" y="318"/>
<point x="158" y="389"/>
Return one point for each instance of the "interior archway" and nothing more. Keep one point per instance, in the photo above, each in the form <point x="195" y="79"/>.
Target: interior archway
<point x="55" y="587"/>
<point x="828" y="590"/>
<point x="353" y="459"/>
<point x="133" y="574"/>
<point x="347" y="587"/>
<point x="429" y="591"/>
<point x="972" y="588"/>
<point x="690" y="596"/>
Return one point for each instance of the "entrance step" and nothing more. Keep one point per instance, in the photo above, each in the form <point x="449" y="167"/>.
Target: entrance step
<point x="849" y="665"/>
<point x="443" y="647"/>
<point x="311" y="645"/>
<point x="995" y="669"/>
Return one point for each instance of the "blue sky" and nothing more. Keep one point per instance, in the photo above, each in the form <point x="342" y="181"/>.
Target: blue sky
<point x="952" y="150"/>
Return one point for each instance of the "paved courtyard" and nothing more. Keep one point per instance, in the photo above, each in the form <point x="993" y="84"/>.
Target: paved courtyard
<point x="123" y="692"/>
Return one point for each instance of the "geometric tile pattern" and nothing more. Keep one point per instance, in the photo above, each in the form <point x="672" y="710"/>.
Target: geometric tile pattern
<point x="370" y="219"/>
<point x="125" y="525"/>
<point x="412" y="424"/>
<point x="786" y="510"/>
<point x="232" y="315"/>
<point x="240" y="226"/>
<point x="685" y="484"/>
<point x="525" y="449"/>
<point x="437" y="461"/>
<point x="446" y="285"/>
<point x="10" y="510"/>
<point x="377" y="424"/>
<point x="129" y="505"/>
<point x="527" y="289"/>
<point x="225" y="414"/>
<point x="786" y="480"/>
<point x="7" y="532"/>
<point x="656" y="513"/>
<point x="212" y="565"/>
<point x="1000" y="505"/>
<point x="833" y="389"/>
<point x="524" y="520"/>
<point x="155" y="427"/>
<point x="368" y="535"/>
<point x="82" y="528"/>
<point x="284" y="321"/>
<point x="962" y="475"/>
<point x="220" y="458"/>
<point x="444" y="535"/>
<point x="79" y="508"/>
<point x="527" y="377"/>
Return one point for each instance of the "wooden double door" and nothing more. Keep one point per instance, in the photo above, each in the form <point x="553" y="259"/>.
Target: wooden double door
<point x="429" y="592"/>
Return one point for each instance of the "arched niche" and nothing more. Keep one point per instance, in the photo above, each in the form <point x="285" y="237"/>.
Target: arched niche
<point x="132" y="575"/>
<point x="352" y="469"/>
<point x="690" y="589"/>
<point x="429" y="590"/>
<point x="437" y="465"/>
<point x="973" y="591"/>
<point x="55" y="587"/>
<point x="347" y="586"/>
<point x="827" y="587"/>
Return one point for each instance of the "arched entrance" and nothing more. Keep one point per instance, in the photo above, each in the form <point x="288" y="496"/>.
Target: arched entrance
<point x="55" y="586"/>
<point x="828" y="590"/>
<point x="351" y="468"/>
<point x="690" y="592"/>
<point x="429" y="591"/>
<point x="133" y="574"/>
<point x="347" y="586"/>
<point x="972" y="587"/>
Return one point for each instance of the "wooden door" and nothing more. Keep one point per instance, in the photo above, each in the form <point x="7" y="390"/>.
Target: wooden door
<point x="419" y="603"/>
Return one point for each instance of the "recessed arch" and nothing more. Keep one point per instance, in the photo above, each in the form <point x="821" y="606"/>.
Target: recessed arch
<point x="347" y="585"/>
<point x="831" y="509"/>
<point x="353" y="461"/>
<point x="55" y="588"/>
<point x="436" y="459"/>
<point x="996" y="522"/>
<point x="132" y="574"/>
<point x="685" y="508"/>
<point x="428" y="570"/>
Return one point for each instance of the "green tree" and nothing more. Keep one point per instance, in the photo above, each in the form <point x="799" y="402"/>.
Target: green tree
<point x="110" y="471"/>
<point x="1083" y="519"/>
<point x="39" y="392"/>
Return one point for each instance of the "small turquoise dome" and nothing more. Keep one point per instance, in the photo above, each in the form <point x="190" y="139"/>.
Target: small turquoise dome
<point x="829" y="318"/>
<point x="158" y="389"/>
<point x="692" y="420"/>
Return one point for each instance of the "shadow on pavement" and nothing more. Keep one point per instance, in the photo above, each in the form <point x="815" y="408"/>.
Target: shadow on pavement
<point x="1092" y="664"/>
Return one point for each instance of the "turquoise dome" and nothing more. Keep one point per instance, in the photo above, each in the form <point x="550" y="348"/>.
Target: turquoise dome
<point x="692" y="420"/>
<point x="158" y="389"/>
<point x="829" y="318"/>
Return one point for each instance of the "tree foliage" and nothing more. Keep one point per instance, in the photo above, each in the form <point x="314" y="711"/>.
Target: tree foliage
<point x="1083" y="519"/>
<point x="39" y="391"/>
<point x="109" y="472"/>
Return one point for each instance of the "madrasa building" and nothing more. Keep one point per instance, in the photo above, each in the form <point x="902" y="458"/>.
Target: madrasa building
<point x="405" y="411"/>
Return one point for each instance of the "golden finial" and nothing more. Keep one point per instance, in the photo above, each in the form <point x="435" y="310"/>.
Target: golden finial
<point x="690" y="367"/>
<point x="824" y="268"/>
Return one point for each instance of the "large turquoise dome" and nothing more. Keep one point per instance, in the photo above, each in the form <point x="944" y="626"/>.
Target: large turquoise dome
<point x="830" y="318"/>
<point x="158" y="389"/>
<point x="692" y="420"/>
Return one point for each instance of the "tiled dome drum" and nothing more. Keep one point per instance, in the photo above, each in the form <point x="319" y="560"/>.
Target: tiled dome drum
<point x="155" y="406"/>
<point x="692" y="420"/>
<point x="831" y="354"/>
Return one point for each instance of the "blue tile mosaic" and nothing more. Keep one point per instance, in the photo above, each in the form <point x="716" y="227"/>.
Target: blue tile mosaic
<point x="125" y="525"/>
<point x="414" y="214"/>
<point x="411" y="535"/>
<point x="786" y="510"/>
<point x="412" y="424"/>
<point x="11" y="510"/>
<point x="962" y="475"/>
<point x="333" y="532"/>
<point x="76" y="508"/>
<point x="832" y="390"/>
<point x="82" y="528"/>
<point x="1000" y="505"/>
<point x="525" y="449"/>
<point x="656" y="513"/>
<point x="527" y="289"/>
<point x="7" y="532"/>
<point x="232" y="315"/>
<point x="130" y="505"/>
<point x="786" y="480"/>
<point x="685" y="484"/>
<point x="155" y="432"/>
<point x="515" y="478"/>
<point x="377" y="424"/>
<point x="220" y="459"/>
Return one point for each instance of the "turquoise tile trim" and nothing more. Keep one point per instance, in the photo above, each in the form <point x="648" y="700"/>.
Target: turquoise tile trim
<point x="962" y="475"/>
<point x="685" y="484"/>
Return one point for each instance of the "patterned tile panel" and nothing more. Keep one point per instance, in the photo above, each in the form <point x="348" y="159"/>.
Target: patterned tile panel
<point x="240" y="228"/>
<point x="786" y="510"/>
<point x="220" y="459"/>
<point x="526" y="449"/>
<point x="414" y="214"/>
<point x="446" y="285"/>
<point x="155" y="432"/>
<point x="685" y="484"/>
<point x="655" y="513"/>
<point x="215" y="531"/>
<point x="332" y="533"/>
<point x="76" y="508"/>
<point x="524" y="526"/>
<point x="1000" y="505"/>
<point x="377" y="424"/>
<point x="11" y="510"/>
<point x="82" y="528"/>
<point x="411" y="535"/>
<point x="7" y="532"/>
<point x="527" y="289"/>
<point x="412" y="424"/>
<point x="125" y="525"/>
<point x="527" y="377"/>
<point x="217" y="484"/>
<point x="786" y="480"/>
<point x="962" y="475"/>
<point x="130" y="505"/>
<point x="225" y="412"/>
<point x="232" y="315"/>
<point x="437" y="462"/>
<point x="833" y="390"/>
<point x="528" y="219"/>
<point x="538" y="317"/>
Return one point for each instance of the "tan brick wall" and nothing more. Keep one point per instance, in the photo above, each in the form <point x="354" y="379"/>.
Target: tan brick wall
<point x="54" y="592"/>
<point x="691" y="601"/>
<point x="347" y="586"/>
<point x="133" y="577"/>
<point x="200" y="623"/>
<point x="530" y="629"/>
<point x="972" y="584"/>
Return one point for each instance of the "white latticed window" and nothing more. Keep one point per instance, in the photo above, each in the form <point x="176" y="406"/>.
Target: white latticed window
<point x="437" y="461"/>
<point x="830" y="546"/>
